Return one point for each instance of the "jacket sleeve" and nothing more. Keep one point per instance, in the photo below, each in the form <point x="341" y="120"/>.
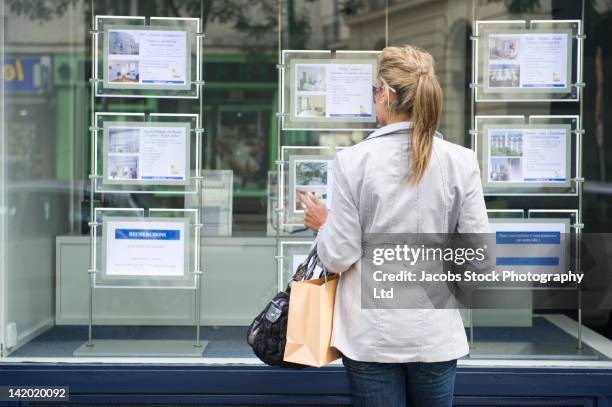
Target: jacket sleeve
<point x="473" y="229"/>
<point x="339" y="243"/>
<point x="473" y="216"/>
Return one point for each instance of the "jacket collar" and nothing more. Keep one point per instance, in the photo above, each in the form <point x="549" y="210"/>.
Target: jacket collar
<point x="394" y="128"/>
<point x="390" y="128"/>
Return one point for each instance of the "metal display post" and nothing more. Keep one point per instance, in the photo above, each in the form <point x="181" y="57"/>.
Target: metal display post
<point x="92" y="130"/>
<point x="580" y="179"/>
<point x="199" y="185"/>
<point x="279" y="210"/>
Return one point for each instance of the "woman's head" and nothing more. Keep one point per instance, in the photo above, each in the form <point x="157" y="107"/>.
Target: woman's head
<point x="407" y="89"/>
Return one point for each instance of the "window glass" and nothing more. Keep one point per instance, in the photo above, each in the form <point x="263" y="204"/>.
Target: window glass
<point x="240" y="243"/>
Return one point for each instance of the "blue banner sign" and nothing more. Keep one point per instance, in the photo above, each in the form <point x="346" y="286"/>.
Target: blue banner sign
<point x="147" y="234"/>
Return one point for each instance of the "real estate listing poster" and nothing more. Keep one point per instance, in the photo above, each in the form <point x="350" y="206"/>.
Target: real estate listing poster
<point x="527" y="61"/>
<point x="313" y="175"/>
<point x="526" y="155"/>
<point x="337" y="90"/>
<point x="154" y="247"/>
<point x="153" y="153"/>
<point x="153" y="57"/>
<point x="534" y="245"/>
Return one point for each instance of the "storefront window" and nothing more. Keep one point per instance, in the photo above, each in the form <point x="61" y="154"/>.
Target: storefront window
<point x="78" y="155"/>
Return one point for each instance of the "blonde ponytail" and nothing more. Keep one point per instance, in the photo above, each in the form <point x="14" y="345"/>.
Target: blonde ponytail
<point x="410" y="72"/>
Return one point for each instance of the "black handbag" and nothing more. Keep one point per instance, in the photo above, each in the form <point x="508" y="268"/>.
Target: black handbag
<point x="267" y="334"/>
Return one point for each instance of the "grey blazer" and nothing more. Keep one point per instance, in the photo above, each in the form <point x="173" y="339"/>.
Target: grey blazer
<point x="372" y="195"/>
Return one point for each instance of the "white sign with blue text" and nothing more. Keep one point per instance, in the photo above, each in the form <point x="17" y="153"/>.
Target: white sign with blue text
<point x="151" y="247"/>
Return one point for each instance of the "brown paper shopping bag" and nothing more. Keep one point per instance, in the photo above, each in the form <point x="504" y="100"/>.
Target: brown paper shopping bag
<point x="309" y="325"/>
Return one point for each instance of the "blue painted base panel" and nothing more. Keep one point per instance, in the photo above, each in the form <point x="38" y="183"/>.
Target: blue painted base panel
<point x="543" y="340"/>
<point x="247" y="385"/>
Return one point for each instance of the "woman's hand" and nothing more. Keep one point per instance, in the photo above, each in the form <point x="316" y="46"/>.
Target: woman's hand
<point x="315" y="211"/>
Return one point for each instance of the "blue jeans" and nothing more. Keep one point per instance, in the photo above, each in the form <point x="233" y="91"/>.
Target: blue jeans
<point x="401" y="384"/>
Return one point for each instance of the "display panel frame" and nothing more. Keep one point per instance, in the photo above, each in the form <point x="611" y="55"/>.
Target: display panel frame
<point x="190" y="122"/>
<point x="289" y="154"/>
<point x="569" y="93"/>
<point x="222" y="181"/>
<point x="553" y="220"/>
<point x="193" y="38"/>
<point x="291" y="58"/>
<point x="187" y="218"/>
<point x="288" y="249"/>
<point x="571" y="160"/>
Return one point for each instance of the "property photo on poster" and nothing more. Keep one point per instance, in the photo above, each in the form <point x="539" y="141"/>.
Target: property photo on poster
<point x="312" y="176"/>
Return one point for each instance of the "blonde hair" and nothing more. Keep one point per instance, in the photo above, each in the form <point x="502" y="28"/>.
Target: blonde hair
<point x="409" y="71"/>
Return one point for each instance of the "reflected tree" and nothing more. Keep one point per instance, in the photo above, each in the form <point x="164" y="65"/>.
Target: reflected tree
<point x="256" y="19"/>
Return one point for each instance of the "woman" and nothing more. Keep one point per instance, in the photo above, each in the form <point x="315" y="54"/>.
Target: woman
<point x="400" y="179"/>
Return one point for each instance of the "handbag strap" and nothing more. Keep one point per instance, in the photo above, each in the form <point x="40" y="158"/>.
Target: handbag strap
<point x="306" y="269"/>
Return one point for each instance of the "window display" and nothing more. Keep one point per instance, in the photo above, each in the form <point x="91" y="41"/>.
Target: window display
<point x="146" y="154"/>
<point x="312" y="175"/>
<point x="518" y="60"/>
<point x="168" y="173"/>
<point x="325" y="90"/>
<point x="134" y="249"/>
<point x="328" y="90"/>
<point x="533" y="61"/>
<point x="528" y="155"/>
<point x="155" y="57"/>
<point x="305" y="170"/>
<point x="532" y="245"/>
<point x="152" y="57"/>
<point x="155" y="248"/>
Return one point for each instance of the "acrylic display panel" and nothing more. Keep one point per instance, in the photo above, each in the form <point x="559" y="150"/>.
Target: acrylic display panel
<point x="538" y="156"/>
<point x="291" y="255"/>
<point x="134" y="59"/>
<point x="272" y="204"/>
<point x="520" y="61"/>
<point x="505" y="213"/>
<point x="138" y="153"/>
<point x="217" y="202"/>
<point x="272" y="213"/>
<point x="571" y="215"/>
<point x="134" y="249"/>
<point x="306" y="169"/>
<point x="547" y="251"/>
<point x="322" y="90"/>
